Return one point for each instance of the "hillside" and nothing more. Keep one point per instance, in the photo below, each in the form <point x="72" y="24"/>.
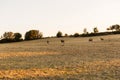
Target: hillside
<point x="77" y="59"/>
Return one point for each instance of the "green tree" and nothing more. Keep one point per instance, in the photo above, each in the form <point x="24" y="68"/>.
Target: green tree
<point x="17" y="36"/>
<point x="59" y="34"/>
<point x="33" y="34"/>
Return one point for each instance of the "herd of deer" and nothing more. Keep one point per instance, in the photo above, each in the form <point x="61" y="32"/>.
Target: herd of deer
<point x="63" y="41"/>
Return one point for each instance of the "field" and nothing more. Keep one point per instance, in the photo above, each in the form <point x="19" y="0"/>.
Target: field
<point x="78" y="59"/>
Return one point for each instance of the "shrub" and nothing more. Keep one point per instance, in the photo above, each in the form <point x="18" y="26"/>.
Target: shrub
<point x="33" y="34"/>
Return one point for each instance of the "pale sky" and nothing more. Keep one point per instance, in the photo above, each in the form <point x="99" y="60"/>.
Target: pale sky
<point x="51" y="16"/>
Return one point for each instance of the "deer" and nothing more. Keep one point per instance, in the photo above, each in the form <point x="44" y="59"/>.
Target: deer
<point x="90" y="39"/>
<point x="48" y="42"/>
<point x="101" y="39"/>
<point x="62" y="41"/>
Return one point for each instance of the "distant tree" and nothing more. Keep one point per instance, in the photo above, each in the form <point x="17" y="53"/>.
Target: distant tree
<point x="66" y="35"/>
<point x="95" y="30"/>
<point x="59" y="34"/>
<point x="11" y="37"/>
<point x="17" y="36"/>
<point x="33" y="34"/>
<point x="76" y="35"/>
<point x="8" y="35"/>
<point x="115" y="27"/>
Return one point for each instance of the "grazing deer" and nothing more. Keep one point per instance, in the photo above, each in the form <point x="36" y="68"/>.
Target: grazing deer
<point x="48" y="42"/>
<point x="90" y="39"/>
<point x="62" y="41"/>
<point x="101" y="39"/>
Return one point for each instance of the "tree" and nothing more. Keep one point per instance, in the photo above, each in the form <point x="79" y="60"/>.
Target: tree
<point x="115" y="27"/>
<point x="59" y="34"/>
<point x="95" y="30"/>
<point x="76" y="35"/>
<point x="33" y="34"/>
<point x="8" y="35"/>
<point x="11" y="37"/>
<point x="17" y="36"/>
<point x="66" y="35"/>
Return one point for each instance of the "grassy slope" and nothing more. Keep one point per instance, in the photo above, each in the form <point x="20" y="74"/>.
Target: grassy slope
<point x="78" y="59"/>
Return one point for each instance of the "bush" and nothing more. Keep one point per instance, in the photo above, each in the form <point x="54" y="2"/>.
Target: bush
<point x="59" y="34"/>
<point x="33" y="34"/>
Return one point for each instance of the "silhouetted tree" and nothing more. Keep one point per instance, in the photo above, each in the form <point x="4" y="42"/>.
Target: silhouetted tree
<point x="17" y="36"/>
<point x="33" y="34"/>
<point x="115" y="27"/>
<point x="59" y="34"/>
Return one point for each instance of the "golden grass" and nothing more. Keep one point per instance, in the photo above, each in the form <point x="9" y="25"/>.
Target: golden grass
<point x="78" y="59"/>
<point x="88" y="67"/>
<point x="24" y="54"/>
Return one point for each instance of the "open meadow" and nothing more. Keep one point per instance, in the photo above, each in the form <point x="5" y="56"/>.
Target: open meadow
<point x="78" y="59"/>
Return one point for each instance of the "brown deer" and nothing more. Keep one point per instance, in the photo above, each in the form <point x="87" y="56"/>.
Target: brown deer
<point x="90" y="39"/>
<point x="101" y="39"/>
<point x="48" y="42"/>
<point x="62" y="41"/>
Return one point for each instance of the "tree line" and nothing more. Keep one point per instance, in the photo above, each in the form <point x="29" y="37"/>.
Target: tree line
<point x="16" y="37"/>
<point x="114" y="29"/>
<point x="36" y="34"/>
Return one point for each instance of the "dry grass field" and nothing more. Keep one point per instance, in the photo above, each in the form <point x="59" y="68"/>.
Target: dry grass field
<point x="78" y="59"/>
